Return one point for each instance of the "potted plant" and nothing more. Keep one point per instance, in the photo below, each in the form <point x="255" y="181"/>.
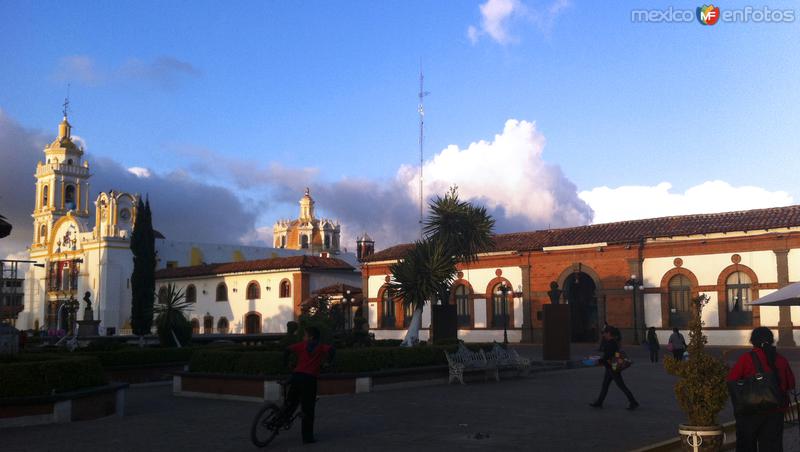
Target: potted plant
<point x="701" y="389"/>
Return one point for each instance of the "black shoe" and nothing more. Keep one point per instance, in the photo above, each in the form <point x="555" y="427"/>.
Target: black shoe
<point x="633" y="405"/>
<point x="596" y="405"/>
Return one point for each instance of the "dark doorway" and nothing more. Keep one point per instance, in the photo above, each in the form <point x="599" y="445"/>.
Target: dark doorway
<point x="579" y="291"/>
<point x="252" y="324"/>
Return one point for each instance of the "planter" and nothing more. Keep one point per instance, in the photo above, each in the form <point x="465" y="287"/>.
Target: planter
<point x="696" y="438"/>
<point x="80" y="405"/>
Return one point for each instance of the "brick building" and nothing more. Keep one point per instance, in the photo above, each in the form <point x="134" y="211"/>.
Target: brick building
<point x="733" y="257"/>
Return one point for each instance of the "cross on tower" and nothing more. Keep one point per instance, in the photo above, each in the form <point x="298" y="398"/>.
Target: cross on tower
<point x="66" y="106"/>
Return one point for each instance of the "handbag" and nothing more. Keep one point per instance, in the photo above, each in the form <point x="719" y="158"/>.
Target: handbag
<point x="756" y="394"/>
<point x="620" y="361"/>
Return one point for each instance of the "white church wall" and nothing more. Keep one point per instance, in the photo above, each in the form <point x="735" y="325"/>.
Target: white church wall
<point x="652" y="310"/>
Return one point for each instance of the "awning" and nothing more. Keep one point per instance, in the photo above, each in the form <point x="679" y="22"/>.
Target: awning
<point x="787" y="296"/>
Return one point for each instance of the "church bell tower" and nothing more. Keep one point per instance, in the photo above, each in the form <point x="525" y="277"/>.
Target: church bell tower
<point x="62" y="184"/>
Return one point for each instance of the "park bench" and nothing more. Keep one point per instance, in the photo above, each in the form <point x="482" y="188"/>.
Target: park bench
<point x="465" y="360"/>
<point x="508" y="358"/>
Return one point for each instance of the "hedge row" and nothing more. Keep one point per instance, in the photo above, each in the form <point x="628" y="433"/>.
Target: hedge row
<point x="368" y="359"/>
<point x="49" y="374"/>
<point x="135" y="356"/>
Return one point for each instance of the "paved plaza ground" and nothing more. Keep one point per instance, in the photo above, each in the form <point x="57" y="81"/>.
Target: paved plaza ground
<point x="547" y="411"/>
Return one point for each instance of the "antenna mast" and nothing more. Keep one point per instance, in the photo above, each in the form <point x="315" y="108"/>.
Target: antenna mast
<point x="421" y="110"/>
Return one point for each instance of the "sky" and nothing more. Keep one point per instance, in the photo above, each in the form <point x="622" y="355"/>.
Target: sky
<point x="551" y="113"/>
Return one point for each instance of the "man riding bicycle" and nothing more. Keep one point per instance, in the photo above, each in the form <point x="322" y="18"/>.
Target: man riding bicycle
<point x="303" y="381"/>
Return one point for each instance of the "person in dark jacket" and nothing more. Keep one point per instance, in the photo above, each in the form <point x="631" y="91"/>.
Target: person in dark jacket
<point x="762" y="431"/>
<point x="303" y="381"/>
<point x="677" y="344"/>
<point x="652" y="344"/>
<point x="610" y="346"/>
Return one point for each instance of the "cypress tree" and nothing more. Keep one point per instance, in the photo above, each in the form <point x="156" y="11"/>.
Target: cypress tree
<point x="143" y="284"/>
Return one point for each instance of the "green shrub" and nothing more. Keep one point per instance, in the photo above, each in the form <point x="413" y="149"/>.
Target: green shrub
<point x="262" y="361"/>
<point x="135" y="356"/>
<point x="42" y="374"/>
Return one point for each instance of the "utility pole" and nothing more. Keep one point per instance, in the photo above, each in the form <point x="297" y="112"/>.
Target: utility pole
<point x="421" y="111"/>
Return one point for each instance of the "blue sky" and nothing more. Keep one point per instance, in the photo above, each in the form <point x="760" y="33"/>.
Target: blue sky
<point x="330" y="87"/>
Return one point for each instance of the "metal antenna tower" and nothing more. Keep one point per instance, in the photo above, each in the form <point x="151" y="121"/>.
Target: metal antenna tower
<point x="421" y="110"/>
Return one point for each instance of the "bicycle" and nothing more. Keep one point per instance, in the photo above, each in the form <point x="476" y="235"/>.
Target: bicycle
<point x="271" y="419"/>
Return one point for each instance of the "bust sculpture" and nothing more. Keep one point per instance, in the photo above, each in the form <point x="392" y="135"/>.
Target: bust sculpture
<point x="554" y="293"/>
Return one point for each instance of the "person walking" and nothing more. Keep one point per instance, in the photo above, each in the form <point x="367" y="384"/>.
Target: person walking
<point x="677" y="344"/>
<point x="610" y="346"/>
<point x="303" y="381"/>
<point x="762" y="431"/>
<point x="652" y="344"/>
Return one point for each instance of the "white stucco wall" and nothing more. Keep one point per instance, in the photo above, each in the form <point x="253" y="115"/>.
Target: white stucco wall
<point x="707" y="267"/>
<point x="480" y="312"/>
<point x="652" y="310"/>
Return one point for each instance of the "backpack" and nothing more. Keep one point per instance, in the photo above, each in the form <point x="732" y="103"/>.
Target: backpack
<point x="756" y="394"/>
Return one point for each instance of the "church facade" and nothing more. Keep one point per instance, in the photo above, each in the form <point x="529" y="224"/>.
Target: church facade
<point x="83" y="245"/>
<point x="307" y="232"/>
<point x="733" y="258"/>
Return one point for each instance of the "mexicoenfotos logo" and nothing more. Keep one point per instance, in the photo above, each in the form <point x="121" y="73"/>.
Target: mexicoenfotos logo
<point x="710" y="15"/>
<point x="707" y="14"/>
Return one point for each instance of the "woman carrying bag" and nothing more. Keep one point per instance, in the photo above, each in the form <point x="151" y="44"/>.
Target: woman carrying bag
<point x="610" y="346"/>
<point x="760" y="430"/>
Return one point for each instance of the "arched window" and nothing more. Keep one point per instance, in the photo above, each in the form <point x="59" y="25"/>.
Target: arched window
<point x="222" y="292"/>
<point x="162" y="294"/>
<point x="69" y="161"/>
<point x="208" y="324"/>
<point x="738" y="291"/>
<point x="252" y="323"/>
<point x="195" y="326"/>
<point x="303" y="241"/>
<point x="680" y="293"/>
<point x="45" y="197"/>
<point x="408" y="314"/>
<point x="327" y="241"/>
<point x="283" y="241"/>
<point x="285" y="289"/>
<point x="43" y="233"/>
<point x="69" y="197"/>
<point x="222" y="325"/>
<point x="387" y="316"/>
<point x="500" y="306"/>
<point x="462" y="305"/>
<point x="253" y="291"/>
<point x="191" y="294"/>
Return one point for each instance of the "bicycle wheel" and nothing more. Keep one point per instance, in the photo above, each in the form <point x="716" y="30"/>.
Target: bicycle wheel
<point x="265" y="427"/>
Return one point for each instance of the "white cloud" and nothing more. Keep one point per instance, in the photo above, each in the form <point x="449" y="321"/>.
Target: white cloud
<point x="508" y="175"/>
<point x="138" y="171"/>
<point x="498" y="15"/>
<point x="636" y="202"/>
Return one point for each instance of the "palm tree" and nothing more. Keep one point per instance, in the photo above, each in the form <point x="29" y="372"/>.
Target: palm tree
<point x="455" y="232"/>
<point x="172" y="325"/>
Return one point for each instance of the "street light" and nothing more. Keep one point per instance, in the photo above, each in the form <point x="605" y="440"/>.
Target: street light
<point x="347" y="309"/>
<point x="502" y="290"/>
<point x="634" y="285"/>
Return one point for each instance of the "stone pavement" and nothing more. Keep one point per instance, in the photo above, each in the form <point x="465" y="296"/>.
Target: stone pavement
<point x="545" y="412"/>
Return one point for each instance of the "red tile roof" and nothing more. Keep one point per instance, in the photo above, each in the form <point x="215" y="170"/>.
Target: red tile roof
<point x="337" y="289"/>
<point x="632" y="231"/>
<point x="277" y="263"/>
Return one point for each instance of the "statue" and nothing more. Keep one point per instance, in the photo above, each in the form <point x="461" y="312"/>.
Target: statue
<point x="554" y="293"/>
<point x="87" y="300"/>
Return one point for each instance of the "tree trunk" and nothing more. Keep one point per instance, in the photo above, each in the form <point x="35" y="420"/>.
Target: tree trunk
<point x="412" y="335"/>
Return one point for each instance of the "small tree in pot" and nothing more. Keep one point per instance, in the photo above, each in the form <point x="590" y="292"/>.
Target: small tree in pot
<point x="701" y="389"/>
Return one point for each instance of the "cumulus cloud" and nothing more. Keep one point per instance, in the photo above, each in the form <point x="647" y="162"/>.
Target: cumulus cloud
<point x="637" y="202"/>
<point x="497" y="17"/>
<point x="163" y="71"/>
<point x="139" y="171"/>
<point x="183" y="208"/>
<point x="509" y="176"/>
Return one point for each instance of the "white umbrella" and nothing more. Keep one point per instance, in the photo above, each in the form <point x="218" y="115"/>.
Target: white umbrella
<point x="787" y="296"/>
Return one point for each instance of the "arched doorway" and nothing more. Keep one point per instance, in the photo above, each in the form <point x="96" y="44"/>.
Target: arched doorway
<point x="580" y="293"/>
<point x="252" y="323"/>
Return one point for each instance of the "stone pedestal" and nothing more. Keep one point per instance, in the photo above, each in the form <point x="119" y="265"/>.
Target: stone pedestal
<point x="557" y="332"/>
<point x="88" y="326"/>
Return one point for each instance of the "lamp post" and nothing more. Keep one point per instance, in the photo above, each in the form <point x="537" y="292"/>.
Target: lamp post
<point x="503" y="290"/>
<point x="635" y="285"/>
<point x="347" y="309"/>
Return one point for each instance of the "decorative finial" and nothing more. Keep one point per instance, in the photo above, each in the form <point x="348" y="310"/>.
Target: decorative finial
<point x="308" y="192"/>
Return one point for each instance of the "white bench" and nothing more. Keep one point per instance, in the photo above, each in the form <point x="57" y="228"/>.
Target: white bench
<point x="508" y="358"/>
<point x="465" y="360"/>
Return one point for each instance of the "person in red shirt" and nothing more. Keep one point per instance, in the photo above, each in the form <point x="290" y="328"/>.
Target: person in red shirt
<point x="762" y="431"/>
<point x="303" y="381"/>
